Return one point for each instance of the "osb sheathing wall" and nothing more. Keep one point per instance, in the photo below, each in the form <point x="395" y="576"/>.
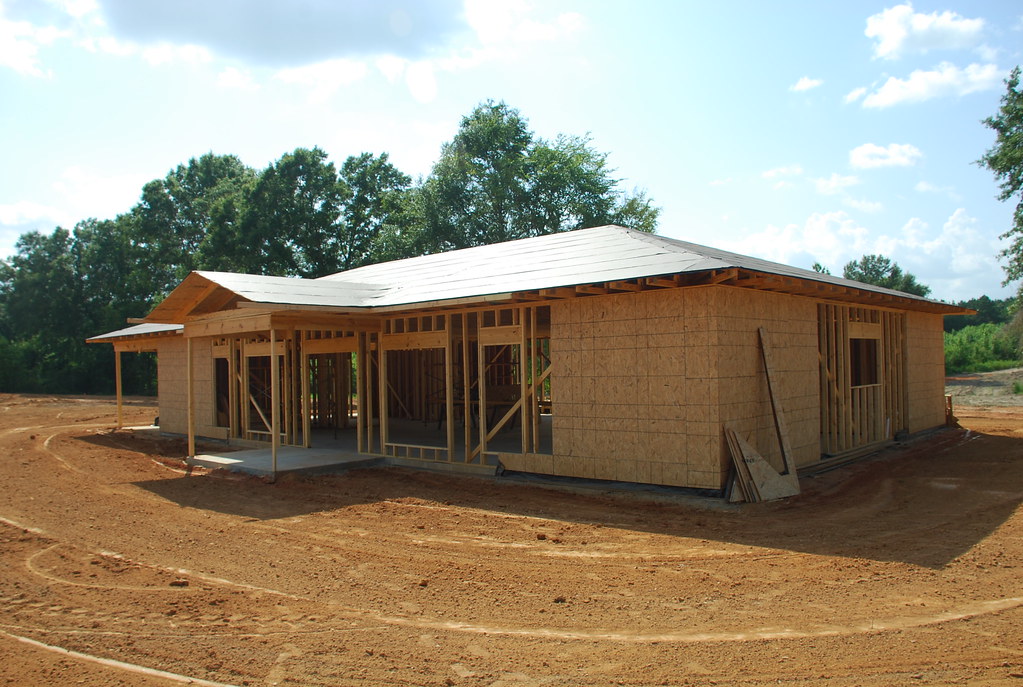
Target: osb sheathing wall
<point x="644" y="382"/>
<point x="172" y="378"/>
<point x="925" y="370"/>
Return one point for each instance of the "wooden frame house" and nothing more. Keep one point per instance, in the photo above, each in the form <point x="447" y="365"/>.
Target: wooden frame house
<point x="601" y="353"/>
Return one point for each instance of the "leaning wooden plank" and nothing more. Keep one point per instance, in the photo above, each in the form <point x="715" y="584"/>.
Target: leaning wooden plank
<point x="766" y="481"/>
<point x="743" y="479"/>
<point x="779" y="414"/>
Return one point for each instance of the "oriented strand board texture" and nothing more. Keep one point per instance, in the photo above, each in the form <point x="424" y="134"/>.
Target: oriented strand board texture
<point x="925" y="370"/>
<point x="643" y="382"/>
<point x="172" y="378"/>
<point x="791" y="325"/>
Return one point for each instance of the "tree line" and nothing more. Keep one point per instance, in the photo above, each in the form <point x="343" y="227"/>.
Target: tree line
<point x="302" y="216"/>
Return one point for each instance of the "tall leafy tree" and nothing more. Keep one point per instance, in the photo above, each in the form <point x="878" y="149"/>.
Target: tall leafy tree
<point x="496" y="181"/>
<point x="881" y="271"/>
<point x="376" y="195"/>
<point x="1005" y="160"/>
<point x="170" y="222"/>
<point x="291" y="222"/>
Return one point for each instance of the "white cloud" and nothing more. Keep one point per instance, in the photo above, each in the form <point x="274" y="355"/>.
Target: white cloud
<point x="391" y="67"/>
<point x="928" y="187"/>
<point x="323" y="79"/>
<point x="957" y="262"/>
<point x="945" y="80"/>
<point x="855" y="94"/>
<point x="509" y="21"/>
<point x="871" y="155"/>
<point x="834" y="184"/>
<point x="899" y="30"/>
<point x="864" y="205"/>
<point x="291" y="34"/>
<point x="88" y="192"/>
<point x="25" y="212"/>
<point x="20" y="42"/>
<point x="167" y="53"/>
<point x="238" y="79"/>
<point x="829" y="237"/>
<point x="805" y="84"/>
<point x="784" y="171"/>
<point x="421" y="81"/>
<point x="721" y="182"/>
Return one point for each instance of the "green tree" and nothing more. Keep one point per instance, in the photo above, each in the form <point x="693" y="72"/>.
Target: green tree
<point x="170" y="223"/>
<point x="291" y="222"/>
<point x="881" y="271"/>
<point x="1005" y="160"/>
<point x="989" y="311"/>
<point x="496" y="181"/>
<point x="374" y="204"/>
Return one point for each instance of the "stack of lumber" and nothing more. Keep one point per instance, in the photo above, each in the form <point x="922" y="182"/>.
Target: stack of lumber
<point x="755" y="479"/>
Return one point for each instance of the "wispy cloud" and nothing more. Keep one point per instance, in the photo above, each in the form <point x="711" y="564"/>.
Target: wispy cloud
<point x="855" y="94"/>
<point x="785" y="171"/>
<point x="20" y="42"/>
<point x="805" y="84"/>
<point x="834" y="184"/>
<point x="928" y="187"/>
<point x="871" y="155"/>
<point x="864" y="205"/>
<point x="899" y="30"/>
<point x="945" y="80"/>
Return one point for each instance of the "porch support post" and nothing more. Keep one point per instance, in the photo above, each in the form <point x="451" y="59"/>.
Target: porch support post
<point x="527" y="408"/>
<point x="306" y="405"/>
<point x="361" y="393"/>
<point x="191" y="400"/>
<point x="481" y="388"/>
<point x="117" y="383"/>
<point x="382" y="378"/>
<point x="449" y="384"/>
<point x="275" y="407"/>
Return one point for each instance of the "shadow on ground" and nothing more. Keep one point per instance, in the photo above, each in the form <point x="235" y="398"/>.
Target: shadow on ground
<point x="924" y="504"/>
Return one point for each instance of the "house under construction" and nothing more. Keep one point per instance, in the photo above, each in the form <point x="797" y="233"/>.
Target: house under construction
<point x="601" y="353"/>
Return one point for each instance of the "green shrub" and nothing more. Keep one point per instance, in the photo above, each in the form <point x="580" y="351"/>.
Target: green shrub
<point x="980" y="348"/>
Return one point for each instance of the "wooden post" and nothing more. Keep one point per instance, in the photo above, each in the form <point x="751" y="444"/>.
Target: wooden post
<point x="117" y="383"/>
<point x="382" y="389"/>
<point x="191" y="402"/>
<point x="275" y="407"/>
<point x="534" y="371"/>
<point x="481" y="390"/>
<point x="527" y="408"/>
<point x="466" y="404"/>
<point x="232" y="388"/>
<point x="360" y="391"/>
<point x="449" y="385"/>
<point x="306" y="398"/>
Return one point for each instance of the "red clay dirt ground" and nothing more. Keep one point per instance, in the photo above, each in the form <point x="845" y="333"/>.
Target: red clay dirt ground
<point x="904" y="568"/>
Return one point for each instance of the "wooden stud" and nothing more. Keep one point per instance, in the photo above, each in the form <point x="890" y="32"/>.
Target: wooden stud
<point x="190" y="371"/>
<point x="275" y="409"/>
<point x="449" y="385"/>
<point x="360" y="391"/>
<point x="526" y="419"/>
<point x="382" y="390"/>
<point x="466" y="401"/>
<point x="117" y="384"/>
<point x="481" y="391"/>
<point x="307" y="411"/>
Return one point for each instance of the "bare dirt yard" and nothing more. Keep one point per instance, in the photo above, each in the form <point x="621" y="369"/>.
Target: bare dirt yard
<point x="118" y="568"/>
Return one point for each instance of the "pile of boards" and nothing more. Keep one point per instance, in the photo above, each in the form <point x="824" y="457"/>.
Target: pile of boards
<point x="755" y="479"/>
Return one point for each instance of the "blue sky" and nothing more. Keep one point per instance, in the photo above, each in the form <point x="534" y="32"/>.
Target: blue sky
<point x="792" y="131"/>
